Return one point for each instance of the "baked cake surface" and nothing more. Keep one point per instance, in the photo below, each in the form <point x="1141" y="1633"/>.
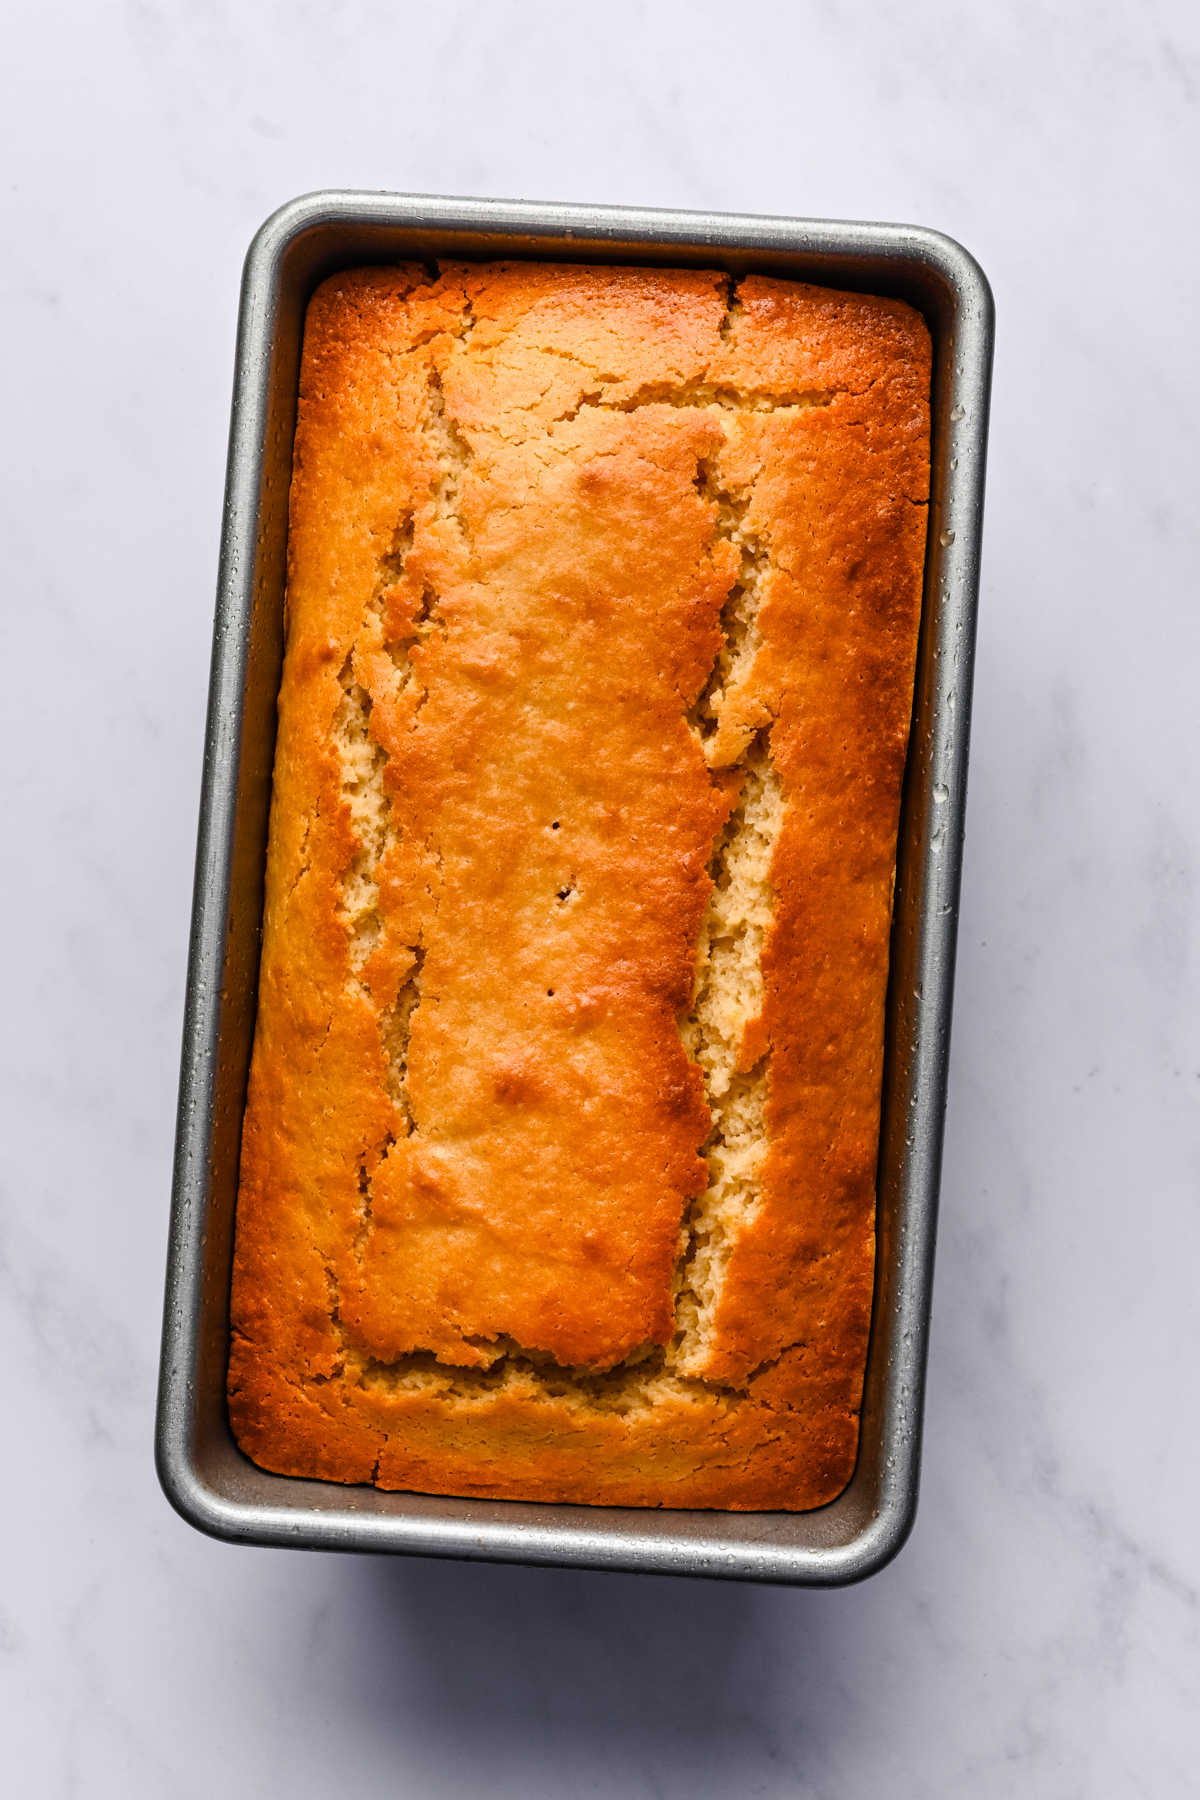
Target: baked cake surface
<point x="559" y="1152"/>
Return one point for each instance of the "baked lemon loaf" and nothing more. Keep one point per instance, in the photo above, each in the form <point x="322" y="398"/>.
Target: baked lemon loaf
<point x="558" y="1164"/>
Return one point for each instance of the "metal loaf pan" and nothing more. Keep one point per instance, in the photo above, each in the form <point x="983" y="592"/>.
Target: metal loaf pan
<point x="204" y="1474"/>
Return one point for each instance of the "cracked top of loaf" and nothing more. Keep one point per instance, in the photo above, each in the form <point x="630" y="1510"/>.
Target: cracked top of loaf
<point x="558" y="1164"/>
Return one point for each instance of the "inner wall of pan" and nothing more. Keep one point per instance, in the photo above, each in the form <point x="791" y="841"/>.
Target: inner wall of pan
<point x="308" y="259"/>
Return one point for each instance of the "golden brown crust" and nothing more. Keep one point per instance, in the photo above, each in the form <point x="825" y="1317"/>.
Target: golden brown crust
<point x="602" y="583"/>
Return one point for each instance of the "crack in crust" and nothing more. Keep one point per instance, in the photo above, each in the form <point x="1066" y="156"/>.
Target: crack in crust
<point x="365" y="794"/>
<point x="687" y="394"/>
<point x="728" y="999"/>
<point x="363" y="761"/>
<point x="725" y="735"/>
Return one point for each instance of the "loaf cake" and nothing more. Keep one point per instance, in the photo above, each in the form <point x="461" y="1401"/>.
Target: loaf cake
<point x="558" y="1161"/>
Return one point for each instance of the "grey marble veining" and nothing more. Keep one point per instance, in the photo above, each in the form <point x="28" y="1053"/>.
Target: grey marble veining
<point x="1040" y="1635"/>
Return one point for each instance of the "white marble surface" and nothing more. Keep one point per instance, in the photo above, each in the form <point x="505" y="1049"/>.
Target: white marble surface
<point x="1039" y="1635"/>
